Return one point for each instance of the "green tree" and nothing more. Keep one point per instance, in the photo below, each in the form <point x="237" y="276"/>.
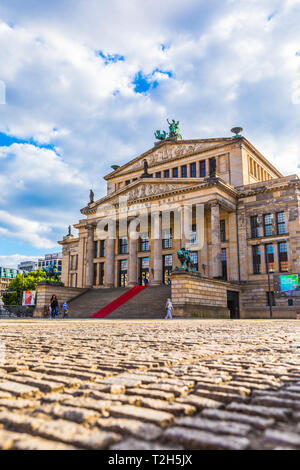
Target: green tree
<point x="23" y="282"/>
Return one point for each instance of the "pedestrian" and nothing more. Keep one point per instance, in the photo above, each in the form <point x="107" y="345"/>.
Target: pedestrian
<point x="146" y="282"/>
<point x="169" y="282"/>
<point x="140" y="283"/>
<point x="54" y="306"/>
<point x="169" y="308"/>
<point x="65" y="310"/>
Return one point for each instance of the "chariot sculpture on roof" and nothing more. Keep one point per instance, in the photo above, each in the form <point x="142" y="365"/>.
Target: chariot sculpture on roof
<point x="174" y="131"/>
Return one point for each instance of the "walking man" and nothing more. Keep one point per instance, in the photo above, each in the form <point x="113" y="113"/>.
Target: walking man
<point x="169" y="308"/>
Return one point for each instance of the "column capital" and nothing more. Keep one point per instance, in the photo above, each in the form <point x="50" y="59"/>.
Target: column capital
<point x="214" y="203"/>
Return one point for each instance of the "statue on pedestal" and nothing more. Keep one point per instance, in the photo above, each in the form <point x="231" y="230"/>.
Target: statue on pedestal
<point x="187" y="263"/>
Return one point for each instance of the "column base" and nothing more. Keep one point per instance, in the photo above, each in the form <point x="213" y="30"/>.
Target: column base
<point x="109" y="286"/>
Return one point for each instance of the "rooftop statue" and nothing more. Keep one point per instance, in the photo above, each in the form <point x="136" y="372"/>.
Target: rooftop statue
<point x="91" y="196"/>
<point x="174" y="131"/>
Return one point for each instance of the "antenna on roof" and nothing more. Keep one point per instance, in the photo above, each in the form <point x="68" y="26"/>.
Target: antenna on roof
<point x="236" y="131"/>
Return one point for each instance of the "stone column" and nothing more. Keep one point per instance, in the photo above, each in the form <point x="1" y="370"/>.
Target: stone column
<point x="132" y="263"/>
<point x="89" y="263"/>
<point x="276" y="257"/>
<point x="184" y="239"/>
<point x="157" y="249"/>
<point x="109" y="262"/>
<point x="215" y="240"/>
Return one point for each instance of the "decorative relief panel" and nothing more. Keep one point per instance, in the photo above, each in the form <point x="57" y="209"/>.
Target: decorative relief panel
<point x="168" y="152"/>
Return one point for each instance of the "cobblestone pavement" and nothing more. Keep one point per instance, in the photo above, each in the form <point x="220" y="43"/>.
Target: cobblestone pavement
<point x="181" y="384"/>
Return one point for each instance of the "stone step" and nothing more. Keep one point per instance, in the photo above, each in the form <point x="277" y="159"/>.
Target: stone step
<point x="150" y="303"/>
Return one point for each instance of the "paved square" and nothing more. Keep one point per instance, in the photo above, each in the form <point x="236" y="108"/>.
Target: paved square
<point x="180" y="384"/>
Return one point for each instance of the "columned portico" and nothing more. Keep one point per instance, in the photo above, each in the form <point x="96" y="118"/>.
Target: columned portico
<point x="215" y="240"/>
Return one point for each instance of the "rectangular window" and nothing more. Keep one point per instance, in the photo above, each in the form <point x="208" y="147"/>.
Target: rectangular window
<point x="101" y="280"/>
<point x="202" y="169"/>
<point x="268" y="229"/>
<point x="268" y="295"/>
<point x="194" y="235"/>
<point x="175" y="172"/>
<point x="280" y="220"/>
<point x="145" y="263"/>
<point x="168" y="261"/>
<point x="127" y="182"/>
<point x="222" y="230"/>
<point x="270" y="264"/>
<point x="144" y="242"/>
<point x="283" y="257"/>
<point x="193" y="170"/>
<point x="123" y="265"/>
<point x="167" y="239"/>
<point x="224" y="263"/>
<point x="123" y="246"/>
<point x="102" y="249"/>
<point x="254" y="226"/>
<point x="158" y="174"/>
<point x="256" y="259"/>
<point x="184" y="171"/>
<point x="194" y="256"/>
<point x="167" y="173"/>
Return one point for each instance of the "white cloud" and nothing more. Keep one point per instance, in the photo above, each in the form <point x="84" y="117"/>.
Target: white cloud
<point x="12" y="261"/>
<point x="26" y="230"/>
<point x="232" y="63"/>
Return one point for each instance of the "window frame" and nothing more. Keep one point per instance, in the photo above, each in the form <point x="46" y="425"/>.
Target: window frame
<point x="280" y="223"/>
<point x="266" y="225"/>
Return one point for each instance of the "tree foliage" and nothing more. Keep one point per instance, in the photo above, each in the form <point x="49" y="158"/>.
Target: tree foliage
<point x="22" y="282"/>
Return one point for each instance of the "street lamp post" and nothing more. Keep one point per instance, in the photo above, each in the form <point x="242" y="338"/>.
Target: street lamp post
<point x="269" y="289"/>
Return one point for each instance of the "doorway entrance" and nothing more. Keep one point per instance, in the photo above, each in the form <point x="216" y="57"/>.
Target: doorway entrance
<point x="144" y="270"/>
<point x="233" y="303"/>
<point x="167" y="267"/>
<point x="123" y="268"/>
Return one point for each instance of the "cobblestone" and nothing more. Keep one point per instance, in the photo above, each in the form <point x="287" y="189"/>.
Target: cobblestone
<point x="185" y="384"/>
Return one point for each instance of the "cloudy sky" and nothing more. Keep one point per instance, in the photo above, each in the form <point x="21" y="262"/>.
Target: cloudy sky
<point x="89" y="81"/>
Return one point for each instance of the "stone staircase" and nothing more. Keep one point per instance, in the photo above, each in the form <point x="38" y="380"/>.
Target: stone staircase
<point x="150" y="303"/>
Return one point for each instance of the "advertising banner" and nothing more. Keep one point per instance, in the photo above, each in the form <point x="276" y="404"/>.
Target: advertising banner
<point x="29" y="298"/>
<point x="287" y="285"/>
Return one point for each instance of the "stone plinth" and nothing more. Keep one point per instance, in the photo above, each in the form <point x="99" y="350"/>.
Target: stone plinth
<point x="196" y="296"/>
<point x="46" y="289"/>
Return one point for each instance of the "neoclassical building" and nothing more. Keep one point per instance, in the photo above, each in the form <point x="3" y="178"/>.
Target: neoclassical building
<point x="251" y="222"/>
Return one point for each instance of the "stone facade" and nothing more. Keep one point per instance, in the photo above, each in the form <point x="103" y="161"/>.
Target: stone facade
<point x="198" y="296"/>
<point x="249" y="209"/>
<point x="45" y="292"/>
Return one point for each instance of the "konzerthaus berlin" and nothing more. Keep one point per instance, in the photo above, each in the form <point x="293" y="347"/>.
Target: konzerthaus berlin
<point x="251" y="224"/>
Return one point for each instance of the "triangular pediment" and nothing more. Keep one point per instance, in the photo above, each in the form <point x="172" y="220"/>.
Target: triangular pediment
<point x="143" y="188"/>
<point x="169" y="151"/>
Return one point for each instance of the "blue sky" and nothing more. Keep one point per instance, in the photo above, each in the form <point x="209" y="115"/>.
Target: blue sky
<point x="87" y="84"/>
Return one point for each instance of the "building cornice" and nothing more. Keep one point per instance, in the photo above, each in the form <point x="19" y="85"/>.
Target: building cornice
<point x="204" y="184"/>
<point x="287" y="182"/>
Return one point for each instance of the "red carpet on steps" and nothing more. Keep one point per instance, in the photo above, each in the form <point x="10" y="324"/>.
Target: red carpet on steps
<point x="118" y="302"/>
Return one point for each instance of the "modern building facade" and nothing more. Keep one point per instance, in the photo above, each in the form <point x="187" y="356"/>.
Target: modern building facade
<point x="6" y="275"/>
<point x="54" y="259"/>
<point x="251" y="222"/>
<point x="27" y="266"/>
